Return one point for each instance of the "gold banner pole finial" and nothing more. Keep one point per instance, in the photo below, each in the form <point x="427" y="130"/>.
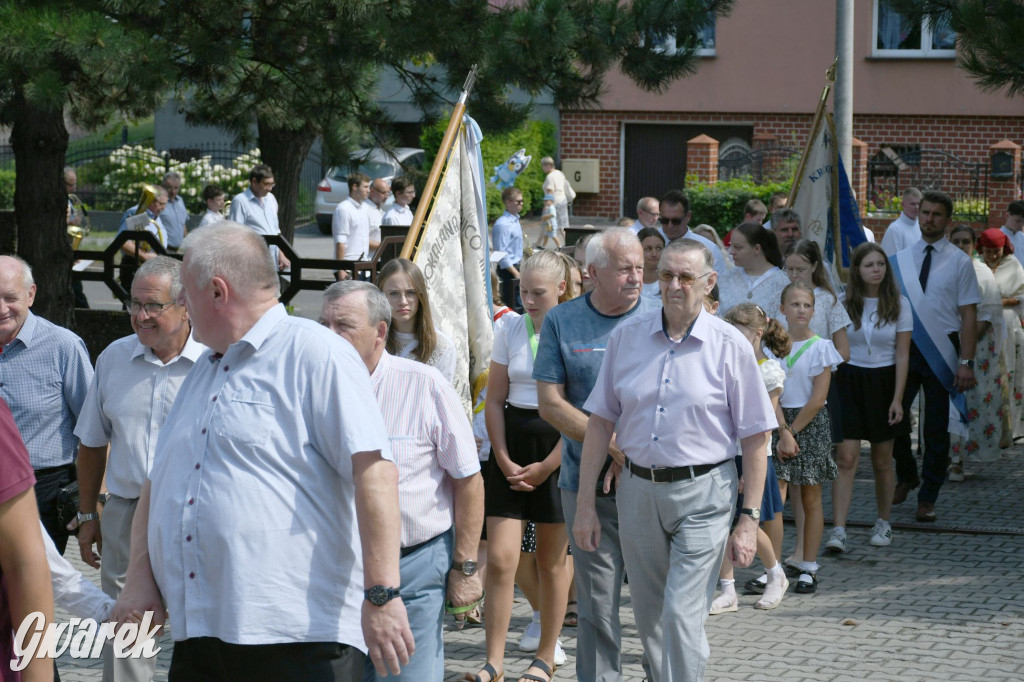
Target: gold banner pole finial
<point x="454" y="124"/>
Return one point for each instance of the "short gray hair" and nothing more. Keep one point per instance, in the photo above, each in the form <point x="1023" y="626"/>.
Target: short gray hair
<point x="602" y="243"/>
<point x="377" y="307"/>
<point x="26" y="269"/>
<point x="163" y="266"/>
<point x="785" y="215"/>
<point x="644" y="203"/>
<point x="685" y="245"/>
<point x="171" y="175"/>
<point x="233" y="251"/>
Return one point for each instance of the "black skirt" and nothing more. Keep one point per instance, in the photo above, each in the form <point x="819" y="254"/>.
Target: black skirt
<point x="865" y="394"/>
<point x="530" y="439"/>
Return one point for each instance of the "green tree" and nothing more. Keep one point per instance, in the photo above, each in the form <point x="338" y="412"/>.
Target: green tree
<point x="988" y="37"/>
<point x="294" y="71"/>
<point x="57" y="63"/>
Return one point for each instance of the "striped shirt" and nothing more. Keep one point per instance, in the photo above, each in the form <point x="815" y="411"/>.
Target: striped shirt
<point x="128" y="401"/>
<point x="44" y="376"/>
<point x="431" y="440"/>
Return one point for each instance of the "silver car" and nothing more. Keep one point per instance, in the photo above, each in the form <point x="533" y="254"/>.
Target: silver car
<point x="376" y="163"/>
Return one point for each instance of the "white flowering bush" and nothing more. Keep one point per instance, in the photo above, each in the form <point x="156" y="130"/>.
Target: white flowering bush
<point x="132" y="166"/>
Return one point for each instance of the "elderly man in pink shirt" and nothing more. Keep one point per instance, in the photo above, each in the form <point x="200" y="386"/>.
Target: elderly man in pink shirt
<point x="679" y="388"/>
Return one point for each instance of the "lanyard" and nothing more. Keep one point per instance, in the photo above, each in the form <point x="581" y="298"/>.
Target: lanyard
<point x="791" y="360"/>
<point x="532" y="335"/>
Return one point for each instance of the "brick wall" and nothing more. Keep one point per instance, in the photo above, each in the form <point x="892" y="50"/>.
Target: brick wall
<point x="597" y="135"/>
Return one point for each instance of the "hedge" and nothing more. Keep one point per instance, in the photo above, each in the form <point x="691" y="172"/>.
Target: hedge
<point x="721" y="205"/>
<point x="7" y="189"/>
<point x="536" y="137"/>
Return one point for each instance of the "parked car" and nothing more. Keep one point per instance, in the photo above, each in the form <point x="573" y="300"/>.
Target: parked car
<point x="376" y="163"/>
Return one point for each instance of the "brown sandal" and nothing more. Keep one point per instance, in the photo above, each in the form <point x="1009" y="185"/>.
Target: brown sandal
<point x="543" y="667"/>
<point x="493" y="675"/>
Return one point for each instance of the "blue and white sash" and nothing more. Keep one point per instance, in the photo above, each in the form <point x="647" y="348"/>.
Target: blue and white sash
<point x="931" y="340"/>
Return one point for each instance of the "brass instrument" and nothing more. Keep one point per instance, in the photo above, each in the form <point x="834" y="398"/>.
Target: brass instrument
<point x="149" y="193"/>
<point x="76" y="234"/>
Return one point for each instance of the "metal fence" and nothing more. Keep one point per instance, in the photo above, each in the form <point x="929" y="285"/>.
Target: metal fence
<point x="889" y="175"/>
<point x="110" y="175"/>
<point x="771" y="164"/>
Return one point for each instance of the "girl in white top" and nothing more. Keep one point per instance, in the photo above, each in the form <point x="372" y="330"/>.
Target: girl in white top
<point x="879" y="332"/>
<point x="757" y="277"/>
<point x="808" y="462"/>
<point x="652" y="243"/>
<point x="804" y="264"/>
<point x="521" y="478"/>
<point x="412" y="332"/>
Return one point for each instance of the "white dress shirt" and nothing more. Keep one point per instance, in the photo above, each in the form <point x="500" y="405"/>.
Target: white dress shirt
<point x="951" y="283"/>
<point x="376" y="216"/>
<point x="350" y="226"/>
<point x="252" y="523"/>
<point x="129" y="398"/>
<point x="900" y="234"/>
<point x="1017" y="239"/>
<point x="398" y="215"/>
<point x="431" y="440"/>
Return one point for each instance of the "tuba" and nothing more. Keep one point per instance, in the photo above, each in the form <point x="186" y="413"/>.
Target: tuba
<point x="149" y="193"/>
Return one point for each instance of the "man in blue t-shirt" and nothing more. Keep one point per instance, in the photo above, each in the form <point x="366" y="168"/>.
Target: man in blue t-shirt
<point x="569" y="355"/>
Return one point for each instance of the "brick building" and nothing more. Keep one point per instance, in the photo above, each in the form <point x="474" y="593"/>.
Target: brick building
<point x="918" y="119"/>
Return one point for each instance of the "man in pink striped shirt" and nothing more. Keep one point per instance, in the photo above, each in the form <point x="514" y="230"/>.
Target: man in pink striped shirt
<point x="440" y="491"/>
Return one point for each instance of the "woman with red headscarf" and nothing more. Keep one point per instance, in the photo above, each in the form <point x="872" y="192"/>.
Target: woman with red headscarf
<point x="997" y="252"/>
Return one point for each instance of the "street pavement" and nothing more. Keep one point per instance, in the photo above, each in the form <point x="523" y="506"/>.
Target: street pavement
<point x="943" y="602"/>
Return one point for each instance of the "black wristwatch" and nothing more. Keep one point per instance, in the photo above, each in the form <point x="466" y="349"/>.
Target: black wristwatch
<point x="467" y="567"/>
<point x="753" y="513"/>
<point x="378" y="595"/>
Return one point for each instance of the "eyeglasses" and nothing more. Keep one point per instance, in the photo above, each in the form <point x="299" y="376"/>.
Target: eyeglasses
<point x="653" y="213"/>
<point x="685" y="278"/>
<point x="515" y="201"/>
<point x="670" y="221"/>
<point x="152" y="309"/>
<point x="408" y="294"/>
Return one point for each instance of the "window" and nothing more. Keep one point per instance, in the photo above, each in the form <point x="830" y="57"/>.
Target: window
<point x="705" y="39"/>
<point x="897" y="36"/>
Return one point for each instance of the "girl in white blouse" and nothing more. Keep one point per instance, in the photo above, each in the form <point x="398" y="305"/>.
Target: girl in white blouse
<point x="879" y="331"/>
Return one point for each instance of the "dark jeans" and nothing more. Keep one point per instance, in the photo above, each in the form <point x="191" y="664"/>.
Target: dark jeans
<point x="48" y="485"/>
<point x="202" y="659"/>
<point x="936" y="436"/>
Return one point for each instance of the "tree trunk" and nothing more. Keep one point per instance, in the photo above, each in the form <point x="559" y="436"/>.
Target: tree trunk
<point x="40" y="143"/>
<point x="285" y="151"/>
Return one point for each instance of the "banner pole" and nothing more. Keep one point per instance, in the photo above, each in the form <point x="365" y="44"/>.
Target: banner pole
<point x="454" y="125"/>
<point x="830" y="77"/>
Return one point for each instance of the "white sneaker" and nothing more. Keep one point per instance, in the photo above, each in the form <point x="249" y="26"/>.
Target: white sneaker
<point x="955" y="472"/>
<point x="836" y="540"/>
<point x="531" y="637"/>
<point x="559" y="654"/>
<point x="881" y="536"/>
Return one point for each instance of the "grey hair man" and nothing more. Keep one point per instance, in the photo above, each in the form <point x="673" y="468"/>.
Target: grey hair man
<point x="647" y="214"/>
<point x="440" y="490"/>
<point x="572" y="342"/>
<point x="136" y="381"/>
<point x="175" y="216"/>
<point x="44" y="377"/>
<point x="786" y="226"/>
<point x="274" y="418"/>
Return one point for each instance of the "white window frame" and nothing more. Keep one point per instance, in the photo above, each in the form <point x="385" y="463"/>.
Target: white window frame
<point x="668" y="46"/>
<point x="926" y="52"/>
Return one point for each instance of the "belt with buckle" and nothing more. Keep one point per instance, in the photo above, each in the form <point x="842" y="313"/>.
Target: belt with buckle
<point x="671" y="474"/>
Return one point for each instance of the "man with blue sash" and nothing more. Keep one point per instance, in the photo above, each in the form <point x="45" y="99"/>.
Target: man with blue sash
<point x="939" y="281"/>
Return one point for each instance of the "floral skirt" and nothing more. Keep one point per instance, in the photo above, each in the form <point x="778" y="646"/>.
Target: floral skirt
<point x="814" y="463"/>
<point x="986" y="408"/>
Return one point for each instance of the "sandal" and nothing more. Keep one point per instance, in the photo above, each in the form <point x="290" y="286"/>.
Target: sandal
<point x="541" y="666"/>
<point x="492" y="675"/>
<point x="572" y="617"/>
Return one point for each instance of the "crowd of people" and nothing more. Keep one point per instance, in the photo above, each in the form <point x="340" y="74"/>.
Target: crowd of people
<point x="294" y="528"/>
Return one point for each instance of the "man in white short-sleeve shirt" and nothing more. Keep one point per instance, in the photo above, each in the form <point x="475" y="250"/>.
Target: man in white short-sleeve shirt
<point x="1012" y="228"/>
<point x="949" y="305"/>
<point x="350" y="223"/>
<point x="136" y="381"/>
<point x="905" y="230"/>
<point x="440" y="490"/>
<point x="247" y="528"/>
